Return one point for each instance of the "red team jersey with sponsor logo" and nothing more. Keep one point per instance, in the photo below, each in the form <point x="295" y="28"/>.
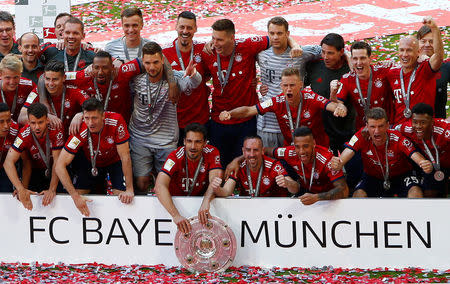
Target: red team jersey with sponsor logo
<point x="24" y="88"/>
<point x="380" y="95"/>
<point x="268" y="185"/>
<point x="115" y="132"/>
<point x="441" y="137"/>
<point x="73" y="100"/>
<point x="239" y="91"/>
<point x="25" y="141"/>
<point x="310" y="115"/>
<point x="398" y="151"/>
<point x="12" y="134"/>
<point x="194" y="107"/>
<point x="323" y="177"/>
<point x="175" y="167"/>
<point x="423" y="89"/>
<point x="120" y="97"/>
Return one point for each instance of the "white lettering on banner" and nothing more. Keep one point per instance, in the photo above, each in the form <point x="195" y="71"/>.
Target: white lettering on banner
<point x="269" y="231"/>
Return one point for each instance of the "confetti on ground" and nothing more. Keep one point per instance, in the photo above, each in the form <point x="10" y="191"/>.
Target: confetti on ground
<point x="101" y="273"/>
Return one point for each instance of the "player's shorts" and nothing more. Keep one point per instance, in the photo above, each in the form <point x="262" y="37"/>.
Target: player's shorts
<point x="5" y="183"/>
<point x="85" y="180"/>
<point x="146" y="157"/>
<point x="399" y="185"/>
<point x="428" y="182"/>
<point x="39" y="182"/>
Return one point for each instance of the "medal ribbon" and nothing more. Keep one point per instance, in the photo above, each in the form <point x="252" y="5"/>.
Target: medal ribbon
<point x="436" y="162"/>
<point x="190" y="186"/>
<point x="312" y="173"/>
<point x="63" y="99"/>
<point x="151" y="104"/>
<point x="365" y="101"/>
<point x="255" y="192"/>
<point x="99" y="95"/>
<point x="297" y="120"/>
<point x="224" y="81"/>
<point x="125" y="49"/>
<point x="180" y="58"/>
<point x="66" y="63"/>
<point x="46" y="157"/>
<point x="91" y="148"/>
<point x="385" y="174"/>
<point x="406" y="96"/>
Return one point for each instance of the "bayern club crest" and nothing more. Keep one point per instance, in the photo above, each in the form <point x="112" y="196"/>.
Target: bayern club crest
<point x="197" y="58"/>
<point x="266" y="181"/>
<point x="378" y="83"/>
<point x="67" y="104"/>
<point x="316" y="175"/>
<point x="238" y="57"/>
<point x="306" y="114"/>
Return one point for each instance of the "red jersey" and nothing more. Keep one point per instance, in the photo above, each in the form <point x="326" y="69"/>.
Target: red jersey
<point x="120" y="97"/>
<point x="193" y="107"/>
<point x="73" y="100"/>
<point x="114" y="132"/>
<point x="268" y="185"/>
<point x="380" y="94"/>
<point x="323" y="176"/>
<point x="310" y="115"/>
<point x="423" y="89"/>
<point x="25" y="141"/>
<point x="239" y="90"/>
<point x="24" y="88"/>
<point x="12" y="134"/>
<point x="175" y="167"/>
<point x="398" y="150"/>
<point x="441" y="137"/>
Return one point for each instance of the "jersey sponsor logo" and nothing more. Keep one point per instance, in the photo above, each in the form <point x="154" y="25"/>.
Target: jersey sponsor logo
<point x="217" y="159"/>
<point x="353" y="140"/>
<point x="256" y="38"/>
<point x="71" y="75"/>
<point x="121" y="131"/>
<point x="18" y="142"/>
<point x="128" y="68"/>
<point x="407" y="143"/>
<point x="168" y="165"/>
<point x="74" y="142"/>
<point x="267" y="103"/>
<point x="26" y="82"/>
<point x="278" y="169"/>
<point x="31" y="98"/>
<point x="447" y="133"/>
<point x="59" y="137"/>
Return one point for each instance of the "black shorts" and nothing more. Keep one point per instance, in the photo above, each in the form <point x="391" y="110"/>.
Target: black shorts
<point x="84" y="180"/>
<point x="5" y="183"/>
<point x="400" y="185"/>
<point x="428" y="182"/>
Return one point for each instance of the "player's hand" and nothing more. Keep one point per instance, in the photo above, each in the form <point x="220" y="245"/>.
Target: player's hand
<point x="24" y="197"/>
<point x="75" y="124"/>
<point x="126" y="196"/>
<point x="334" y="86"/>
<point x="87" y="45"/>
<point x="340" y="111"/>
<point x="296" y="51"/>
<point x="203" y="213"/>
<point x="422" y="57"/>
<point x="233" y="167"/>
<point x="336" y="164"/>
<point x="81" y="203"/>
<point x="426" y="166"/>
<point x="429" y="21"/>
<point x="281" y="181"/>
<point x="60" y="44"/>
<point x="263" y="90"/>
<point x="386" y="63"/>
<point x="48" y="196"/>
<point x="174" y="93"/>
<point x="182" y="223"/>
<point x="54" y="121"/>
<point x="208" y="48"/>
<point x="190" y="69"/>
<point x="224" y="115"/>
<point x="215" y="184"/>
<point x="309" y="198"/>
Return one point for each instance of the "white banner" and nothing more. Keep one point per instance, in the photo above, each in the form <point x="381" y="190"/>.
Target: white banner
<point x="350" y="233"/>
<point x="38" y="16"/>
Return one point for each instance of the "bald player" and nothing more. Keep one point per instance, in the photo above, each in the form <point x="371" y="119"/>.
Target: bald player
<point x="29" y="48"/>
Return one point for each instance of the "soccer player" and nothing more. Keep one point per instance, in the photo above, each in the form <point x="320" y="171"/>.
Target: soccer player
<point x="14" y="90"/>
<point x="258" y="175"/>
<point x="432" y="137"/>
<point x="7" y="31"/>
<point x="312" y="163"/>
<point x="426" y="39"/>
<point x="65" y="102"/>
<point x="153" y="124"/>
<point x="232" y="66"/>
<point x="60" y="20"/>
<point x="103" y="139"/>
<point x="30" y="49"/>
<point x="39" y="145"/>
<point x="385" y="153"/>
<point x="129" y="46"/>
<point x="74" y="56"/>
<point x="194" y="106"/>
<point x="319" y="74"/>
<point x="293" y="108"/>
<point x="8" y="133"/>
<point x="413" y="82"/>
<point x="111" y="88"/>
<point x="366" y="87"/>
<point x="272" y="62"/>
<point x="189" y="171"/>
